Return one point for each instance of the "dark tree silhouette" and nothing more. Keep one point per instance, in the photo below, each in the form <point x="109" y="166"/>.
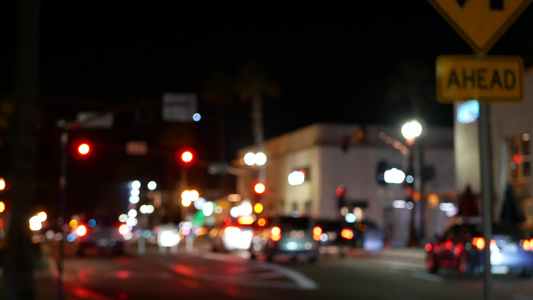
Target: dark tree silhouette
<point x="18" y="277"/>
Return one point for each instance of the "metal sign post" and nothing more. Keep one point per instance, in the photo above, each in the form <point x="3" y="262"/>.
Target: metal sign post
<point x="481" y="23"/>
<point x="486" y="193"/>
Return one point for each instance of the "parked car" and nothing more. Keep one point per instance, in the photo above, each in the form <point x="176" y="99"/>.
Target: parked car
<point x="369" y="235"/>
<point x="461" y="247"/>
<point x="101" y="234"/>
<point x="285" y="236"/>
<point x="336" y="238"/>
<point x="233" y="235"/>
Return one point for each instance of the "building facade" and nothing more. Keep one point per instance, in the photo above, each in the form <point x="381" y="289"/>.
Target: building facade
<point x="511" y="126"/>
<point x="353" y="158"/>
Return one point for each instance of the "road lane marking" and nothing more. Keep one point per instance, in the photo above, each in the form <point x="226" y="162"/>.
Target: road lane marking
<point x="299" y="278"/>
<point x="293" y="279"/>
<point x="427" y="277"/>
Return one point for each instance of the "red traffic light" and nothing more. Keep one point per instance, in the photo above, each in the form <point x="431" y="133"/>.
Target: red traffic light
<point x="339" y="191"/>
<point x="185" y="157"/>
<point x="259" y="188"/>
<point x="80" y="149"/>
<point x="84" y="149"/>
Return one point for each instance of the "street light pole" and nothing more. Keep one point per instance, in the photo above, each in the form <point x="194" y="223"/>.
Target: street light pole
<point x="412" y="130"/>
<point x="62" y="208"/>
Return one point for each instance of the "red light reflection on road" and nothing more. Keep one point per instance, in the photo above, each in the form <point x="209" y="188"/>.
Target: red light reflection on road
<point x="123" y="274"/>
<point x="183" y="270"/>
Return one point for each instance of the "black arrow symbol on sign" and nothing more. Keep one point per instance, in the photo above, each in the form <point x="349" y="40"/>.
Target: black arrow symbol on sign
<point x="462" y="2"/>
<point x="496" y="4"/>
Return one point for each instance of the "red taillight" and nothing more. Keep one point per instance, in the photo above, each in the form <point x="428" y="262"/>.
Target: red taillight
<point x="449" y="245"/>
<point x="81" y="230"/>
<point x="347" y="233"/>
<point x="458" y="250"/>
<point x="428" y="247"/>
<point x="245" y="220"/>
<point x="479" y="243"/>
<point x="123" y="229"/>
<point x="526" y="245"/>
<point x="261" y="222"/>
<point x="275" y="230"/>
<point x="317" y="231"/>
<point x="275" y="233"/>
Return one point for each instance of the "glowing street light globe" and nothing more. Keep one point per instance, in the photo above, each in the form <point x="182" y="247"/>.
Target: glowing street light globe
<point x="152" y="185"/>
<point x="411" y="129"/>
<point x="260" y="158"/>
<point x="136" y="184"/>
<point x="249" y="159"/>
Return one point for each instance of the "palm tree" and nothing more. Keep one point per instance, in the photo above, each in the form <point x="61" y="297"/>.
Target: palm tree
<point x="413" y="82"/>
<point x="254" y="82"/>
<point x="219" y="89"/>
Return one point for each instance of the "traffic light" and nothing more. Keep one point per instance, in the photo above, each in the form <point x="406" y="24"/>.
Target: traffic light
<point x="84" y="149"/>
<point x="259" y="190"/>
<point x="185" y="157"/>
<point x="381" y="167"/>
<point x="340" y="191"/>
<point x="81" y="149"/>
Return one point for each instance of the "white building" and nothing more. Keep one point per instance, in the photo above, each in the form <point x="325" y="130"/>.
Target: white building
<point x="317" y="151"/>
<point x="511" y="126"/>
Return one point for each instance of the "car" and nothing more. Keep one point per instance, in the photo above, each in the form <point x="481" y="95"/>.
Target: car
<point x="102" y="234"/>
<point x="461" y="248"/>
<point x="294" y="237"/>
<point x="369" y="235"/>
<point x="233" y="235"/>
<point x="336" y="238"/>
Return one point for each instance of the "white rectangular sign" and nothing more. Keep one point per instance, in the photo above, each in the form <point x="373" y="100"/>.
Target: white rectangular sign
<point x="179" y="107"/>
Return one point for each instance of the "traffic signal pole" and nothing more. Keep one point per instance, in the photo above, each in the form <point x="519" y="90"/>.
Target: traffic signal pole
<point x="63" y="167"/>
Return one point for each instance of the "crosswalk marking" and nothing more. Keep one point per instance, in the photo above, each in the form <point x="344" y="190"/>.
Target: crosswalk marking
<point x="252" y="274"/>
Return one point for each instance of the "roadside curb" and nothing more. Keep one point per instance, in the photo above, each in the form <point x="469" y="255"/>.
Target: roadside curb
<point x="409" y="253"/>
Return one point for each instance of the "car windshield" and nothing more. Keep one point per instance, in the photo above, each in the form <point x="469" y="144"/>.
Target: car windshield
<point x="329" y="225"/>
<point x="290" y="223"/>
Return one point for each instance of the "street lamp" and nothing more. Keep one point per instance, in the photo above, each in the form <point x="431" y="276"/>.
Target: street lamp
<point x="258" y="158"/>
<point x="411" y="130"/>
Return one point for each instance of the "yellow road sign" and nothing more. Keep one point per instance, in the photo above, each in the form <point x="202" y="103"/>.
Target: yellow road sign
<point x="480" y="22"/>
<point x="482" y="78"/>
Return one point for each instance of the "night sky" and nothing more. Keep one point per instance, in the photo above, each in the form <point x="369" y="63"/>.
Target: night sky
<point x="335" y="62"/>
